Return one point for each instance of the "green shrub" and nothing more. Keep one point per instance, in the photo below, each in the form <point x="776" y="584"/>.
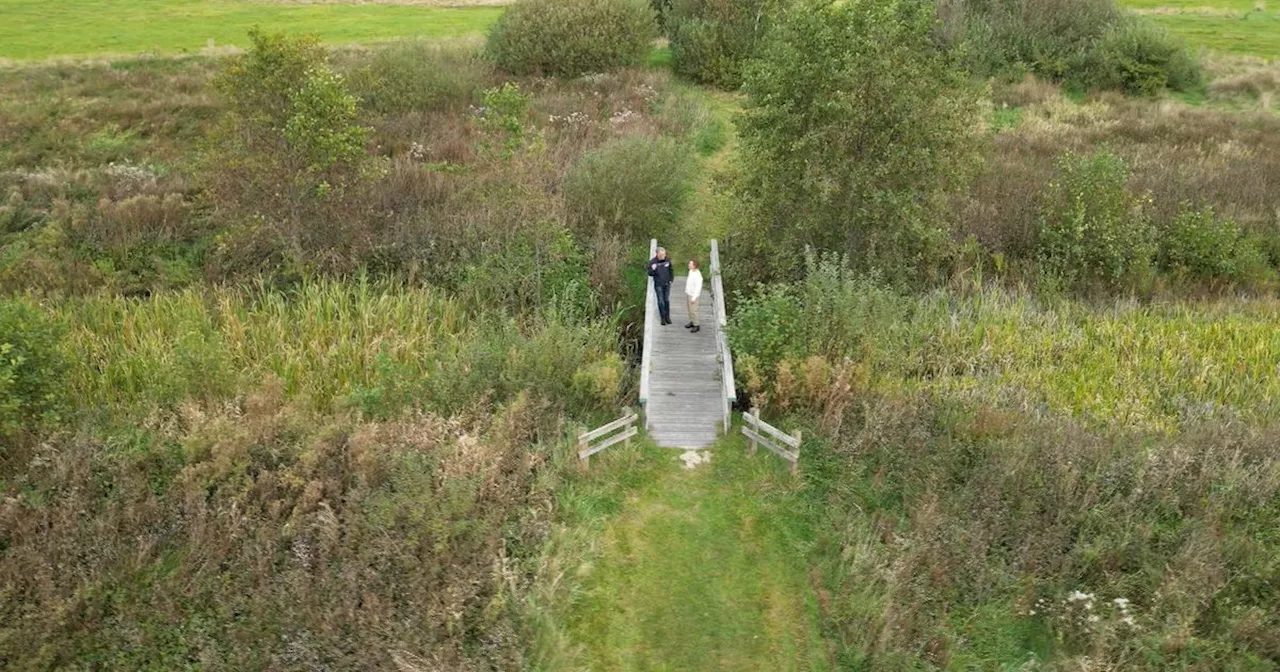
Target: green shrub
<point x="571" y="37"/>
<point x="1090" y="44"/>
<point x="1203" y="245"/>
<point x="290" y="134"/>
<point x="856" y="174"/>
<point x="419" y="77"/>
<point x="503" y="118"/>
<point x="1046" y="37"/>
<point x="712" y="39"/>
<point x="1091" y="228"/>
<point x="633" y="187"/>
<point x="32" y="370"/>
<point x="1140" y="57"/>
<point x="533" y="270"/>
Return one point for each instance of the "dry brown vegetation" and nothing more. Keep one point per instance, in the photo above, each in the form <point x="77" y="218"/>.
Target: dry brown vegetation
<point x="103" y="186"/>
<point x="1180" y="155"/>
<point x="269" y="470"/>
<point x="261" y="536"/>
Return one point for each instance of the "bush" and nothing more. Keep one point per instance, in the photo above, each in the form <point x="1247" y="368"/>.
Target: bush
<point x="533" y="270"/>
<point x="419" y="77"/>
<point x="571" y="37"/>
<point x="31" y="366"/>
<point x="1087" y="43"/>
<point x="712" y="39"/>
<point x="1203" y="245"/>
<point x="1046" y="37"/>
<point x="1140" y="57"/>
<point x="633" y="187"/>
<point x="1091" y="228"/>
<point x="856" y="174"/>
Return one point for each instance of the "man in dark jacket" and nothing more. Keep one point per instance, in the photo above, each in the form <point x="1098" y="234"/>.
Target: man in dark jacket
<point x="660" y="270"/>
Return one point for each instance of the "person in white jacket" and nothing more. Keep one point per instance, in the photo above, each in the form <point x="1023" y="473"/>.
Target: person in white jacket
<point x="693" y="290"/>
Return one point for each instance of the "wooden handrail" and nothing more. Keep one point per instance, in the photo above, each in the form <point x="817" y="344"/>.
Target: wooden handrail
<point x="762" y="433"/>
<point x="722" y="340"/>
<point x="626" y="423"/>
<point x="650" y="311"/>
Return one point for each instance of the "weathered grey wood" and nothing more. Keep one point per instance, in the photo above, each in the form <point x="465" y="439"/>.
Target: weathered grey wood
<point x="764" y="427"/>
<point x="767" y="443"/>
<point x="685" y="403"/>
<point x="650" y="322"/>
<point x="617" y="438"/>
<point x="730" y="390"/>
<point x="605" y="429"/>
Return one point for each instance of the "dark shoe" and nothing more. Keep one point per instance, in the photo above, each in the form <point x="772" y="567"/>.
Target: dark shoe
<point x="695" y="330"/>
<point x="688" y="326"/>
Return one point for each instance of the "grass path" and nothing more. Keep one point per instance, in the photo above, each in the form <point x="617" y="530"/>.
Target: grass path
<point x="702" y="569"/>
<point x="704" y="216"/>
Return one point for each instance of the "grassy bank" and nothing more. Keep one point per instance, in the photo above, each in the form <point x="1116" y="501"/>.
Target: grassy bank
<point x="1002" y="481"/>
<point x="687" y="569"/>
<point x="36" y="30"/>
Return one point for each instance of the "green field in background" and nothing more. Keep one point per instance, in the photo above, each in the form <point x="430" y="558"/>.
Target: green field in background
<point x="33" y="29"/>
<point x="1249" y="27"/>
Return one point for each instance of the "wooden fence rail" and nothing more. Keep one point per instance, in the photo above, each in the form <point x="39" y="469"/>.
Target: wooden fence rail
<point x="776" y="440"/>
<point x="606" y="436"/>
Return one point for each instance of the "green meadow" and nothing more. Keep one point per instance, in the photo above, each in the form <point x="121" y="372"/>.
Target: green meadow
<point x="33" y="29"/>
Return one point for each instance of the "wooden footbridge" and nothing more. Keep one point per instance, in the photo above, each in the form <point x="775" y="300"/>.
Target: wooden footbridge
<point x="686" y="379"/>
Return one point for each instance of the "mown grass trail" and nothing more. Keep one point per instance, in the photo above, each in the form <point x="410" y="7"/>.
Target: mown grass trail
<point x="703" y="569"/>
<point x="34" y="29"/>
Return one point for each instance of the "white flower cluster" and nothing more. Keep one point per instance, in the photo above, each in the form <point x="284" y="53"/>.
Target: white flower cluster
<point x="573" y="119"/>
<point x="1122" y="606"/>
<point x="129" y="175"/>
<point x="1078" y="608"/>
<point x="648" y="93"/>
<point x="418" y="152"/>
<point x="623" y="116"/>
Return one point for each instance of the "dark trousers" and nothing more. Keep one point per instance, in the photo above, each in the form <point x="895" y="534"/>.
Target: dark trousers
<point x="664" y="300"/>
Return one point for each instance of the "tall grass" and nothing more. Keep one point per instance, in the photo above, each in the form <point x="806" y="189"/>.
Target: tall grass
<point x="1149" y="366"/>
<point x="1005" y="481"/>
<point x="328" y="341"/>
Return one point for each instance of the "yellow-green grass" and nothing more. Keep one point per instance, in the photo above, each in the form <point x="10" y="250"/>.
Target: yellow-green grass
<point x="1249" y="27"/>
<point x="35" y="29"/>
<point x="1148" y="367"/>
<point x="701" y="570"/>
<point x="326" y="341"/>
<point x="1136" y="366"/>
<point x="1253" y="35"/>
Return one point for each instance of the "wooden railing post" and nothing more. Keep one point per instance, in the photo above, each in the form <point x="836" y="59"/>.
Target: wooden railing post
<point x="786" y="446"/>
<point x="620" y="430"/>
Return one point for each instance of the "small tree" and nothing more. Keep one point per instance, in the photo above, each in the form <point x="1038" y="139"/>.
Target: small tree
<point x="856" y="124"/>
<point x="1092" y="230"/>
<point x="289" y="139"/>
<point x="711" y="40"/>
